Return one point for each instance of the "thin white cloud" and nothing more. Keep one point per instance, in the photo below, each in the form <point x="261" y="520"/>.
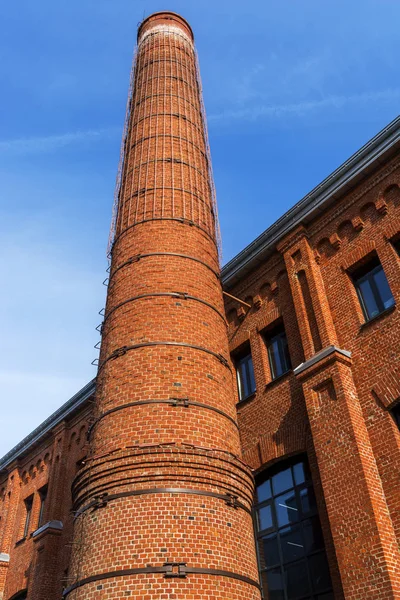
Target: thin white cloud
<point x="252" y="113"/>
<point x="51" y="143"/>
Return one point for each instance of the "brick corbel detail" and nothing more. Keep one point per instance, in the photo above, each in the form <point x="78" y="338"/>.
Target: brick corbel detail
<point x="358" y="223"/>
<point x="335" y="241"/>
<point x="381" y="206"/>
<point x="258" y="301"/>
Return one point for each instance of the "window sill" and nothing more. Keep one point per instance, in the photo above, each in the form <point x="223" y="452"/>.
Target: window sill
<point x="381" y="315"/>
<point x="21" y="541"/>
<point x="244" y="400"/>
<point x="278" y="379"/>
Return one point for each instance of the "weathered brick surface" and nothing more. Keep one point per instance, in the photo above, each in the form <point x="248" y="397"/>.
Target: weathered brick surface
<point x="164" y="336"/>
<point x="39" y="564"/>
<point x="353" y="437"/>
<point x="164" y="287"/>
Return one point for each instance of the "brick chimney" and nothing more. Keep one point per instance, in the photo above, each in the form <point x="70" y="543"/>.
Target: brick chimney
<point x="163" y="502"/>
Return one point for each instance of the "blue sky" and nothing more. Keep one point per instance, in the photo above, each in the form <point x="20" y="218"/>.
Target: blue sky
<point x="291" y="90"/>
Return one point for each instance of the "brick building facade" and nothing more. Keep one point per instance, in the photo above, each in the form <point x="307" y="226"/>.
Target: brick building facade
<point x="153" y="457"/>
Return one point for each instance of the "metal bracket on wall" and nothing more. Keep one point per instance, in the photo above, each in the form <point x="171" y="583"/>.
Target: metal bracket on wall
<point x="175" y="569"/>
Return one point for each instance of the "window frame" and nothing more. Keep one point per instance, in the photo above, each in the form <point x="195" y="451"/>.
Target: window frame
<point x="368" y="272"/>
<point x="245" y="358"/>
<point x="395" y="412"/>
<point x="299" y="527"/>
<point x="28" y="505"/>
<point x="43" y="497"/>
<point x="278" y="334"/>
<point x="396" y="244"/>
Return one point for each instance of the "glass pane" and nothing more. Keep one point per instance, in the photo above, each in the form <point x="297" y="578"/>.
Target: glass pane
<point x="291" y="543"/>
<point x="273" y="585"/>
<point x="312" y="535"/>
<point x="328" y="596"/>
<point x="264" y="491"/>
<point x="270" y="550"/>
<point x="307" y="499"/>
<point x="300" y="473"/>
<point x="274" y="359"/>
<point x="285" y="353"/>
<point x="319" y="572"/>
<point x="264" y="517"/>
<point x="383" y="288"/>
<point x="296" y="580"/>
<point x="243" y="388"/>
<point x="251" y="382"/>
<point x="282" y="481"/>
<point x="370" y="305"/>
<point x="286" y="508"/>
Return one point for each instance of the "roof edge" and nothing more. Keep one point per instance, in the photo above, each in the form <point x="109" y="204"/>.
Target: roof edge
<point x="64" y="411"/>
<point x="307" y="207"/>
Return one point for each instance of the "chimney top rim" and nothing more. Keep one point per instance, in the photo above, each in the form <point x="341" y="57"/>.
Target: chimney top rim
<point x="168" y="14"/>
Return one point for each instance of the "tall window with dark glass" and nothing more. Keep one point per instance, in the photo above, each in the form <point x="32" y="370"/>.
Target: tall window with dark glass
<point x="245" y="374"/>
<point x="278" y="351"/>
<point x="292" y="560"/>
<point x="372" y="288"/>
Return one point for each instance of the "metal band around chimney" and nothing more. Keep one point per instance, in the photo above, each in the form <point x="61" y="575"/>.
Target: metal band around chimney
<point x="167" y="569"/>
<point x="124" y="349"/>
<point x="138" y="257"/>
<point x="103" y="499"/>
<point x="176" y="219"/>
<point x="169" y="135"/>
<point x="167" y="95"/>
<point x="184" y="402"/>
<point x="177" y="295"/>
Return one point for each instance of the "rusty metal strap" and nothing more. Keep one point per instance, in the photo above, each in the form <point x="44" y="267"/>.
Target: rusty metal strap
<point x="165" y="114"/>
<point x="185" y="402"/>
<point x="179" y="295"/>
<point x="170" y="570"/>
<point x="124" y="349"/>
<point x="167" y="135"/>
<point x="103" y="499"/>
<point x="137" y="257"/>
<point x="177" y="219"/>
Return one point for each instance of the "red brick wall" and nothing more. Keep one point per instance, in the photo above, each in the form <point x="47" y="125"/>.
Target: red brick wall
<point x="38" y="563"/>
<point x="337" y="411"/>
<point x="281" y="418"/>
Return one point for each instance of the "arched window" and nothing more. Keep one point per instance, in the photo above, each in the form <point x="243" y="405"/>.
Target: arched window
<point x="291" y="551"/>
